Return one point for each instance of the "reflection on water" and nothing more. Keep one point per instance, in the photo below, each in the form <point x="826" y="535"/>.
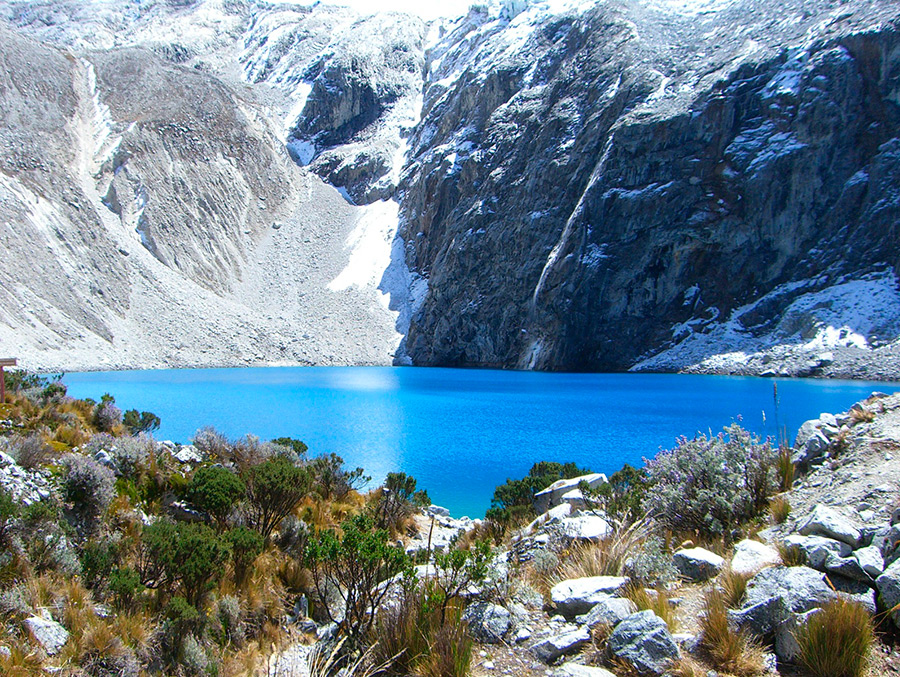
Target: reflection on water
<point x="462" y="432"/>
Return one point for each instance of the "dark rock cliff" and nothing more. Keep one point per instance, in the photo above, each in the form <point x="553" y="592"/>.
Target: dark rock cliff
<point x="628" y="174"/>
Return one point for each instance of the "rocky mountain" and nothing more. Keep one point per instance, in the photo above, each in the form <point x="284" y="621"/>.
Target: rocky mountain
<point x="708" y="185"/>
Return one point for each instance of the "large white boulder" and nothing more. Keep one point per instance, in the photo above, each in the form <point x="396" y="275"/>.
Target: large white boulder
<point x="552" y="495"/>
<point x="698" y="564"/>
<point x="828" y="522"/>
<point x="750" y="556"/>
<point x="577" y="596"/>
<point x="48" y="633"/>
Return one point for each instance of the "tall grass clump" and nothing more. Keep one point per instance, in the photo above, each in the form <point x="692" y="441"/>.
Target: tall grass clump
<point x="837" y="641"/>
<point x="779" y="509"/>
<point x="657" y="601"/>
<point x="734" y="586"/>
<point x="710" y="485"/>
<point x="785" y="466"/>
<point x="728" y="650"/>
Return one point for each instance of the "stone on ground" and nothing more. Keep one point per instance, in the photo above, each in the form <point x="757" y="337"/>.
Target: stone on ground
<point x="577" y="596"/>
<point x="643" y="640"/>
<point x="698" y="564"/>
<point x="828" y="522"/>
<point x="551" y="648"/>
<point x="488" y="623"/>
<point x="750" y="556"/>
<point x="48" y="633"/>
<point x="578" y="670"/>
<point x="610" y="611"/>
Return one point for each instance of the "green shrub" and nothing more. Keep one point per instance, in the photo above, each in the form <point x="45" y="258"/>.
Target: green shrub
<point x="397" y="500"/>
<point x="331" y="480"/>
<point x="274" y="488"/>
<point x="216" y="490"/>
<point x="621" y="498"/>
<point x="190" y="555"/>
<point x="711" y="485"/>
<point x="9" y="511"/>
<point x="140" y="422"/>
<point x="515" y="498"/>
<point x="246" y="546"/>
<point x="353" y="564"/>
<point x="98" y="557"/>
<point x="296" y="446"/>
<point x="124" y="584"/>
<point x="837" y="641"/>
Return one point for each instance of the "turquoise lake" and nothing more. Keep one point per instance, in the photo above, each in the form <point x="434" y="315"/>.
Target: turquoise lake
<point x="462" y="432"/>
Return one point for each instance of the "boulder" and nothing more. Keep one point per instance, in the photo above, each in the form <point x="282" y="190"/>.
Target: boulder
<point x="551" y="648"/>
<point x="817" y="548"/>
<point x="786" y="646"/>
<point x="437" y="511"/>
<point x="761" y="618"/>
<point x="698" y="564"/>
<point x="888" y="586"/>
<point x="578" y="670"/>
<point x="488" y="623"/>
<point x="643" y="641"/>
<point x="555" y="514"/>
<point x="847" y="566"/>
<point x="803" y="588"/>
<point x="552" y="495"/>
<point x="188" y="454"/>
<point x="828" y="522"/>
<point x="586" y="528"/>
<point x="48" y="633"/>
<point x="577" y="596"/>
<point x="870" y="560"/>
<point x="609" y="611"/>
<point x="750" y="556"/>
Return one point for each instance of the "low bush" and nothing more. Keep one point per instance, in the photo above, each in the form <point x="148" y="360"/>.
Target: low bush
<point x="107" y="416"/>
<point x="837" y="641"/>
<point x="397" y="500"/>
<point x="711" y="485"/>
<point x="352" y="564"/>
<point x="657" y="601"/>
<point x="779" y="509"/>
<point x="331" y="480"/>
<point x="140" y="422"/>
<point x="274" y="488"/>
<point x="246" y="546"/>
<point x="514" y="500"/>
<point x="30" y="451"/>
<point x="216" y="490"/>
<point x="415" y="636"/>
<point x="88" y="488"/>
<point x="620" y="500"/>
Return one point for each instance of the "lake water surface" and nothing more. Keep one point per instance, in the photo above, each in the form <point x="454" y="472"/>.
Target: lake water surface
<point x="462" y="432"/>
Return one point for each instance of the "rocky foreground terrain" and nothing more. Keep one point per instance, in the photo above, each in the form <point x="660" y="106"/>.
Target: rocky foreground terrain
<point x="700" y="185"/>
<point x="541" y="609"/>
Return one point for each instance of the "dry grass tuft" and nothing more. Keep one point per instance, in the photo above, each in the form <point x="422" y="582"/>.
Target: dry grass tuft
<point x="837" y="641"/>
<point x="791" y="555"/>
<point x="733" y="585"/>
<point x="608" y="557"/>
<point x="656" y="601"/>
<point x="729" y="651"/>
<point x="779" y="509"/>
<point x="686" y="666"/>
<point x="860" y="414"/>
<point x="785" y="467"/>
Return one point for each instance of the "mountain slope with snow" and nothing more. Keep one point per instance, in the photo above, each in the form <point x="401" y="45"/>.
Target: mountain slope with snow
<point x="707" y="185"/>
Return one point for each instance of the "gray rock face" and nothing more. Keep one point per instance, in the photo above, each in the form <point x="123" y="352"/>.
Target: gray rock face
<point x="802" y="588"/>
<point x="818" y="549"/>
<point x="827" y="522"/>
<point x="577" y="596"/>
<point x="578" y="670"/>
<point x="888" y="586"/>
<point x="609" y="611"/>
<point x="488" y="623"/>
<point x="698" y="564"/>
<point x="552" y="496"/>
<point x="750" y="556"/>
<point x="644" y="641"/>
<point x="48" y="633"/>
<point x="566" y="216"/>
<point x="548" y="650"/>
